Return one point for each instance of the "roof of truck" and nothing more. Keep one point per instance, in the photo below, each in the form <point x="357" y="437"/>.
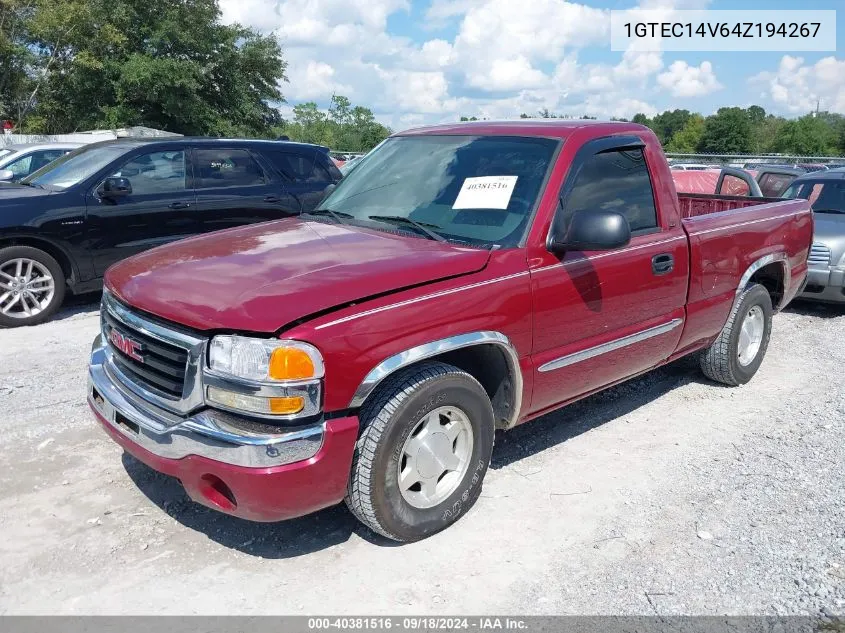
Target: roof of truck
<point x="556" y="128"/>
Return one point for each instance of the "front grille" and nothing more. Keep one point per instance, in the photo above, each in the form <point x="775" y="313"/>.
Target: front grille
<point x="819" y="255"/>
<point x="163" y="367"/>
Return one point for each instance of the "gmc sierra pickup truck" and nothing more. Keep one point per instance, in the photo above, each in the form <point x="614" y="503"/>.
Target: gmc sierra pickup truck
<point x="462" y="279"/>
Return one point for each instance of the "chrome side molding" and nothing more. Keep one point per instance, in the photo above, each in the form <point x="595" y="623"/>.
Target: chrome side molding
<point x="429" y="350"/>
<point x="610" y="346"/>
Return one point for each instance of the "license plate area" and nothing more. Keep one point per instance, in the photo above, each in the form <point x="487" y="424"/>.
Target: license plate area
<point x="123" y="422"/>
<point x="111" y="414"/>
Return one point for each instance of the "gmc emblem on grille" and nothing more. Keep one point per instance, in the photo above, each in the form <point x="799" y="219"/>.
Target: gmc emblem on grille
<point x="126" y="345"/>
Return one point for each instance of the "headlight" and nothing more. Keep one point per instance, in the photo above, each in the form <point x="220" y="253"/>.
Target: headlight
<point x="263" y="360"/>
<point x="271" y="378"/>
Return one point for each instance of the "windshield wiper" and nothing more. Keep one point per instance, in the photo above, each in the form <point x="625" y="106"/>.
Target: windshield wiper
<point x="421" y="226"/>
<point x="828" y="210"/>
<point x="338" y="216"/>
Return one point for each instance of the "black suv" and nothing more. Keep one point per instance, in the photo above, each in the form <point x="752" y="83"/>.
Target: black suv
<point x="61" y="227"/>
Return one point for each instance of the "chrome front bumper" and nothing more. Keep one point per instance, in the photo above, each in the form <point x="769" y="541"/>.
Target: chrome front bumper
<point x="212" y="434"/>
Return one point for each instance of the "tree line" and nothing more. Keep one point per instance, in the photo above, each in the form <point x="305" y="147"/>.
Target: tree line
<point x="749" y="131"/>
<point x="343" y="127"/>
<point x="73" y="65"/>
<point x="739" y="131"/>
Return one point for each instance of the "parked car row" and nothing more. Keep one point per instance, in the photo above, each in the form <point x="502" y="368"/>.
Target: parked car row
<point x="64" y="225"/>
<point x="90" y="206"/>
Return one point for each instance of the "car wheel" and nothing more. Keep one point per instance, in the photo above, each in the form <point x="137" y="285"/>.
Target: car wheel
<point x="425" y="446"/>
<point x="32" y="286"/>
<point x="736" y="355"/>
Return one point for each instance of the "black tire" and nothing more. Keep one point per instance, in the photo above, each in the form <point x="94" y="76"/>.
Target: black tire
<point x="720" y="362"/>
<point x="387" y="419"/>
<point x="27" y="252"/>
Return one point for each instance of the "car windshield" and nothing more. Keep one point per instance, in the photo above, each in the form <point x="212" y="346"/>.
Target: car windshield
<point x="75" y="167"/>
<point x="825" y="196"/>
<point x="473" y="190"/>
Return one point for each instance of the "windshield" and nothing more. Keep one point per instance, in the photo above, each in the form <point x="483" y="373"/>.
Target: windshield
<point x="75" y="167"/>
<point x="468" y="189"/>
<point x="4" y="153"/>
<point x="825" y="196"/>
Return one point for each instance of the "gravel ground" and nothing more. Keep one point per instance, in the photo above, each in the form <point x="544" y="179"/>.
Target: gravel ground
<point x="667" y="495"/>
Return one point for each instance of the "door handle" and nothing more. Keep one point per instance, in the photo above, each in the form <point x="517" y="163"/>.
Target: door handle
<point x="272" y="198"/>
<point x="662" y="264"/>
<point x="178" y="205"/>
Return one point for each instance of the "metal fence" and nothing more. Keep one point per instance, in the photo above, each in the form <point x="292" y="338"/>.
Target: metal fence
<point x="780" y="159"/>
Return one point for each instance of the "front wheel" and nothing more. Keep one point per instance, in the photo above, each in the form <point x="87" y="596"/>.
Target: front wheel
<point x="32" y="286"/>
<point x="425" y="445"/>
<point x="736" y="355"/>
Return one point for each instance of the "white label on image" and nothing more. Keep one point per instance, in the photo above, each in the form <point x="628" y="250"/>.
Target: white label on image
<point x="485" y="192"/>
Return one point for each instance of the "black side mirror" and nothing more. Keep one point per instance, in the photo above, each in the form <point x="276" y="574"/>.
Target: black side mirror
<point x="114" y="187"/>
<point x="592" y="231"/>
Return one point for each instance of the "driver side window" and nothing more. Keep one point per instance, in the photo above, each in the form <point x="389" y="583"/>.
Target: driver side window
<point x="615" y="180"/>
<point x="155" y="172"/>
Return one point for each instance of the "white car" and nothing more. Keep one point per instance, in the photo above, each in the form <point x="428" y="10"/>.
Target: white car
<point x="19" y="161"/>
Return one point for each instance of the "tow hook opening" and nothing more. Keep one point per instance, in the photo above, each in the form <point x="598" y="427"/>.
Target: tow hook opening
<point x="216" y="492"/>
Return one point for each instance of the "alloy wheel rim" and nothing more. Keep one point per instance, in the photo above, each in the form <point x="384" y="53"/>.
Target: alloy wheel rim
<point x="435" y="457"/>
<point x="26" y="288"/>
<point x="751" y="336"/>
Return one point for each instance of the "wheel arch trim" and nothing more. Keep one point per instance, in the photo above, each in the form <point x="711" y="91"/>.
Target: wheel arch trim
<point x="429" y="350"/>
<point x="761" y="263"/>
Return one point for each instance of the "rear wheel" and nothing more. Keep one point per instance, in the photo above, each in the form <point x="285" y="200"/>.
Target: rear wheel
<point x="736" y="355"/>
<point x="425" y="445"/>
<point x="32" y="286"/>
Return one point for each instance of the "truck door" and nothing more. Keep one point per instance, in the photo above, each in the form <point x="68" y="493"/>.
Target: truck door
<point x="603" y="316"/>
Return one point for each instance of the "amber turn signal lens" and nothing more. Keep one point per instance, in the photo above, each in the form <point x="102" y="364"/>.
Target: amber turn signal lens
<point x="290" y="363"/>
<point x="287" y="406"/>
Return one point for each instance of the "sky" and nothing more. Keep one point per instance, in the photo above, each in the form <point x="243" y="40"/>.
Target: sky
<point x="428" y="61"/>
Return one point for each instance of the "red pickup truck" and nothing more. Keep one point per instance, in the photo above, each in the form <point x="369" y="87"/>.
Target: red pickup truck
<point x="464" y="278"/>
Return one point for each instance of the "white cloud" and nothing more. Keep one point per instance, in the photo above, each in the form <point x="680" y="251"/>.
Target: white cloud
<point x="683" y="80"/>
<point x="507" y="74"/>
<point x="316" y="80"/>
<point x="432" y="55"/>
<point x="506" y="57"/>
<point x="797" y="88"/>
<point x="441" y="11"/>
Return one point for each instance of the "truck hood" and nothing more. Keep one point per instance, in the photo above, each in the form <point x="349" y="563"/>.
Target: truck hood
<point x="262" y="277"/>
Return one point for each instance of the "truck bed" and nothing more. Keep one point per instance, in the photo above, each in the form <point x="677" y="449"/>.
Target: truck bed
<point x="696" y="204"/>
<point x="726" y="243"/>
